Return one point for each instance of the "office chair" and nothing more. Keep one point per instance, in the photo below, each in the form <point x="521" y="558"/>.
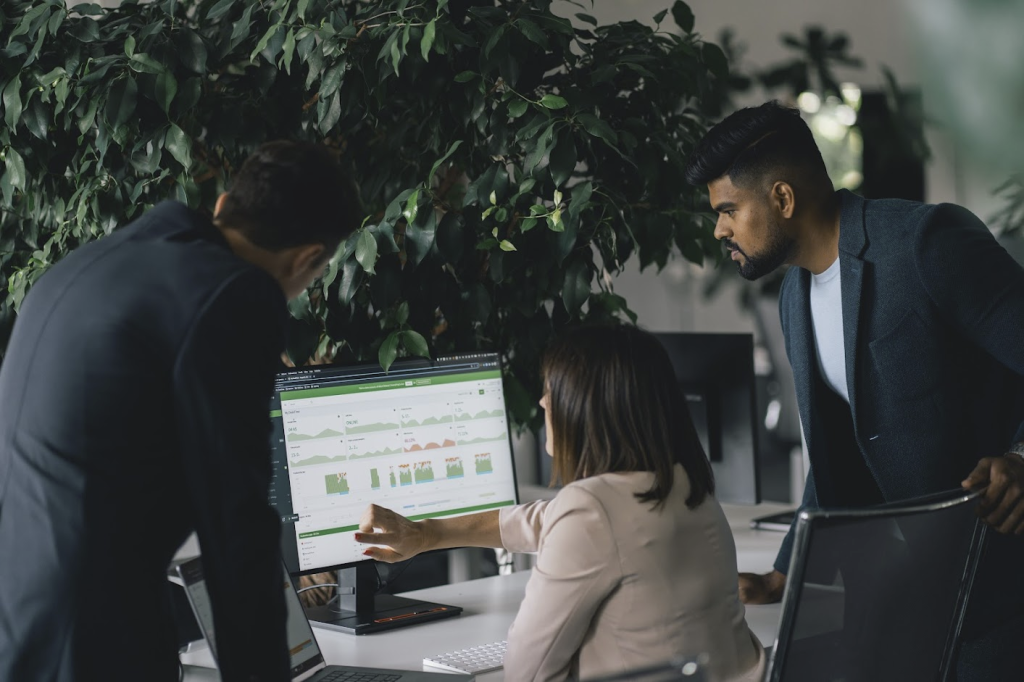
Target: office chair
<point x="878" y="594"/>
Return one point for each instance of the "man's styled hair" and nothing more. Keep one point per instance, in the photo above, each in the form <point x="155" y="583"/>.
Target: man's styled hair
<point x="758" y="145"/>
<point x="615" y="406"/>
<point x="291" y="194"/>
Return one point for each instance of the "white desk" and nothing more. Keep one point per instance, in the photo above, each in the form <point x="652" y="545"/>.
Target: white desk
<point x="490" y="605"/>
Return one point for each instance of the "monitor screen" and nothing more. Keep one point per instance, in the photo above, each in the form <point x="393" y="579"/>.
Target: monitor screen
<point x="425" y="439"/>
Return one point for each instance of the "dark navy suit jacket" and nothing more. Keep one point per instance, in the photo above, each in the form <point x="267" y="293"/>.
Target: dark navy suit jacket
<point x="933" y="320"/>
<point x="134" y="408"/>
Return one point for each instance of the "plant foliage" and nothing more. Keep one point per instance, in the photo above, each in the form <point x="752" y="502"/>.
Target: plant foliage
<point x="511" y="160"/>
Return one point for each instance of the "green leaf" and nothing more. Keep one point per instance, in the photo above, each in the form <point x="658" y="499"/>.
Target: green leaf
<point x="517" y="108"/>
<point x="143" y="63"/>
<point x="411" y="207"/>
<point x="16" y="174"/>
<point x="715" y="59"/>
<point x="264" y="41"/>
<point x="331" y="80"/>
<point x="683" y="15"/>
<point x="388" y="351"/>
<point x="396" y="52"/>
<point x="129" y="46"/>
<point x="56" y="20"/>
<point x="351" y="275"/>
<point x="598" y="128"/>
<point x="179" y="145"/>
<point x="36" y="119"/>
<point x="12" y="102"/>
<point x="414" y="343"/>
<point x="586" y="18"/>
<point x="553" y="102"/>
<point x="581" y="194"/>
<point x="86" y="29"/>
<point x="562" y="161"/>
<point x="419" y="236"/>
<point x="366" y="251"/>
<point x="331" y="114"/>
<point x="465" y="76"/>
<point x="527" y="224"/>
<point x="402" y="314"/>
<point x="506" y="245"/>
<point x="166" y="88"/>
<point x="240" y="29"/>
<point x="493" y="41"/>
<point x="26" y="21"/>
<point x="576" y="286"/>
<point x="447" y="154"/>
<point x="660" y="16"/>
<point x="428" y="39"/>
<point x="555" y="223"/>
<point x="532" y="32"/>
<point x="191" y="51"/>
<point x="288" y="51"/>
<point x="219" y="10"/>
<point x="121" y="100"/>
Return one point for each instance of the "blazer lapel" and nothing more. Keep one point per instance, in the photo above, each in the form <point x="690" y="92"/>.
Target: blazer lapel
<point x="852" y="242"/>
<point x="800" y="336"/>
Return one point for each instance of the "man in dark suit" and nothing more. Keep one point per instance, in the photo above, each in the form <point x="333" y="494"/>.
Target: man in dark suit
<point x="134" y="409"/>
<point x="904" y="325"/>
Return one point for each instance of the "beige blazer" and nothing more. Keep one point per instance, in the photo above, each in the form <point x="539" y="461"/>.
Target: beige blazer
<point x="618" y="585"/>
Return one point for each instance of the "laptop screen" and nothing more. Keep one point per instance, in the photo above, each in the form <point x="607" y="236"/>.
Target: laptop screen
<point x="302" y="647"/>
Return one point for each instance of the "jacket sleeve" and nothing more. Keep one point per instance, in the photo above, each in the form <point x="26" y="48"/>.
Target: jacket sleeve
<point x="223" y="383"/>
<point x="577" y="568"/>
<point x="520" y="526"/>
<point x="974" y="283"/>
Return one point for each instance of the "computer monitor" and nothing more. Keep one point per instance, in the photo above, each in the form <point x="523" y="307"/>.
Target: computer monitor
<point x="427" y="439"/>
<point x="716" y="374"/>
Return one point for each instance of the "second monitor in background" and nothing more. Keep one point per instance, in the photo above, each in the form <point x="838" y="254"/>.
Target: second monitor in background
<point x="716" y="374"/>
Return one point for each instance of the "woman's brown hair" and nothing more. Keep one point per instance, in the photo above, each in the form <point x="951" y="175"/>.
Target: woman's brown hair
<point x="615" y="407"/>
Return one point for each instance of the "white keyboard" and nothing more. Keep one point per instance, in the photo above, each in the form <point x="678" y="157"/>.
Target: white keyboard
<point x="477" y="659"/>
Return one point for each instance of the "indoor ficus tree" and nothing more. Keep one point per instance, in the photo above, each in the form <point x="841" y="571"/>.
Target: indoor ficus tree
<point x="511" y="160"/>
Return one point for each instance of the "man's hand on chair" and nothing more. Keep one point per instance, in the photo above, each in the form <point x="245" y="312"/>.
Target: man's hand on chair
<point x="762" y="589"/>
<point x="1002" y="505"/>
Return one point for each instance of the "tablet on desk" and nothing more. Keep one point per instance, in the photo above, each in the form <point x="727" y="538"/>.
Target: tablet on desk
<point x="781" y="521"/>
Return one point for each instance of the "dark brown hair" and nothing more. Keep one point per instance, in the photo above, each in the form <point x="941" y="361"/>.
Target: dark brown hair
<point x="291" y="194"/>
<point x="616" y="406"/>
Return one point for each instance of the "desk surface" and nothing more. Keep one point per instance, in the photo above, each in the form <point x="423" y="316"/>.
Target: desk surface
<point x="490" y="605"/>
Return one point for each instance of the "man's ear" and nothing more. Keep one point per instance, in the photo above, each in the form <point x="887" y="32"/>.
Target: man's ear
<point x="306" y="257"/>
<point x="783" y="199"/>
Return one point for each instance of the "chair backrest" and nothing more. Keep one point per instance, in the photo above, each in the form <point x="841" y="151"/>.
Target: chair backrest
<point x="879" y="593"/>
<point x="684" y="669"/>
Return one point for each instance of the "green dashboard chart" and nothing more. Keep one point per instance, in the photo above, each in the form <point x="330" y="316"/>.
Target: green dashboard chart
<point x="337" y="484"/>
<point x="352" y="449"/>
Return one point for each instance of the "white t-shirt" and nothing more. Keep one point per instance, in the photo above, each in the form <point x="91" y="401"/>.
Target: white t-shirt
<point x="827" y="317"/>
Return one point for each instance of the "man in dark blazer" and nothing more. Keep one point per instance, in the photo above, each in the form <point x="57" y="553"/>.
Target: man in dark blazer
<point x="134" y="409"/>
<point x="904" y="325"/>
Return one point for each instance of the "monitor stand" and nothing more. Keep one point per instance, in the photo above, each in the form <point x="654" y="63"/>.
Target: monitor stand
<point x="357" y="610"/>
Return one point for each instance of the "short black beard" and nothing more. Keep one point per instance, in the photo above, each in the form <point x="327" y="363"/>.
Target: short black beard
<point x="779" y="249"/>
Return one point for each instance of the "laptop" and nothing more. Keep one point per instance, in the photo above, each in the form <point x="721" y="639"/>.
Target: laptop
<point x="307" y="661"/>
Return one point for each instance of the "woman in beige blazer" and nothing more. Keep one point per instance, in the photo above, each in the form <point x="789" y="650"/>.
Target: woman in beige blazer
<point x="635" y="560"/>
